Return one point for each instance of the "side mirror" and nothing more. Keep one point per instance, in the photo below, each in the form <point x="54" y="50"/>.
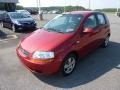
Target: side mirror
<point x="88" y="30"/>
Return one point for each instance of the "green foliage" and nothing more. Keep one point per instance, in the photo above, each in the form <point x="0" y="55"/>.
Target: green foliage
<point x="74" y="8"/>
<point x="18" y="7"/>
<point x="67" y="8"/>
<point x="107" y="10"/>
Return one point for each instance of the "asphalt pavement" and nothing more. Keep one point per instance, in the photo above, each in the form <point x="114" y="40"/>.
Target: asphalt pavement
<point x="98" y="71"/>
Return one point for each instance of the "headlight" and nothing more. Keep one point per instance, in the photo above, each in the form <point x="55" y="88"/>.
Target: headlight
<point x="16" y="22"/>
<point x="43" y="55"/>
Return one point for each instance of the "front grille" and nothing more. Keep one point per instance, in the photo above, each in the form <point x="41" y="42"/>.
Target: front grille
<point x="27" y="23"/>
<point x="26" y="53"/>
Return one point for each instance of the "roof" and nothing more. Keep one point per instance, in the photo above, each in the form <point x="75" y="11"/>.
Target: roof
<point x="82" y="12"/>
<point x="9" y="1"/>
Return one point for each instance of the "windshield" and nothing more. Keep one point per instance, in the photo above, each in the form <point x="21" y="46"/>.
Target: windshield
<point x="18" y="15"/>
<point x="64" y="23"/>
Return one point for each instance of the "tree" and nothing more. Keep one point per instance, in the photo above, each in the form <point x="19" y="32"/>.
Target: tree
<point x="18" y="7"/>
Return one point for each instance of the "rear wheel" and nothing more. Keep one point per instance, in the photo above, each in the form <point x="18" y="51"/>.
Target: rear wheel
<point x="106" y="42"/>
<point x="68" y="65"/>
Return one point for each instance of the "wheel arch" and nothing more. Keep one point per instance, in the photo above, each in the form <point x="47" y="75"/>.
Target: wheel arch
<point x="75" y="53"/>
<point x="109" y="34"/>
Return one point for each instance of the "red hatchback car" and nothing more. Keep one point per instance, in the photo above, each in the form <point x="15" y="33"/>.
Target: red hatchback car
<point x="63" y="40"/>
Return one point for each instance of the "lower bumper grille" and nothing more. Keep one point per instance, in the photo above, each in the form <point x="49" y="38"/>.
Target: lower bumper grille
<point x="26" y="53"/>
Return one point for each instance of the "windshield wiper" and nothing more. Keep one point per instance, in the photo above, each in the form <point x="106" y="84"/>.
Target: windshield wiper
<point x="52" y="29"/>
<point x="60" y="32"/>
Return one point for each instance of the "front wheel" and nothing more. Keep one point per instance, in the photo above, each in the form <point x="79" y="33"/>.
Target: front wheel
<point x="68" y="65"/>
<point x="106" y="42"/>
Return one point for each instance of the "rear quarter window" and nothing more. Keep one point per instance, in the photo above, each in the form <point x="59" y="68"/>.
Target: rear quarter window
<point x="101" y="19"/>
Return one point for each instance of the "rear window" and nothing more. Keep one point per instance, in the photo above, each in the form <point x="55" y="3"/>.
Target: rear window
<point x="101" y="19"/>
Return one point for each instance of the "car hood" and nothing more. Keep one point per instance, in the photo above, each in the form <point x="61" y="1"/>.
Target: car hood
<point x="24" y="20"/>
<point x="42" y="40"/>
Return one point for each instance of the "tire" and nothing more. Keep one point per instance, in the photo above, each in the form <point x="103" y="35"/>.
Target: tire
<point x="68" y="65"/>
<point x="13" y="28"/>
<point x="106" y="42"/>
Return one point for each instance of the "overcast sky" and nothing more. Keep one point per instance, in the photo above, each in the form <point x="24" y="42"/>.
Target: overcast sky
<point x="95" y="4"/>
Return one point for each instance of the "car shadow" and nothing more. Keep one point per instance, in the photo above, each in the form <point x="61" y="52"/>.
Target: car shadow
<point x="2" y="35"/>
<point x="90" y="68"/>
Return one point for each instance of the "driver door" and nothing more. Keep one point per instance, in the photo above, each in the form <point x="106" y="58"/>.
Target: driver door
<point x="7" y="21"/>
<point x="88" y="41"/>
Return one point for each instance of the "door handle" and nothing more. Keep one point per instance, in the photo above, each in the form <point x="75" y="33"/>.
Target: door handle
<point x="105" y="27"/>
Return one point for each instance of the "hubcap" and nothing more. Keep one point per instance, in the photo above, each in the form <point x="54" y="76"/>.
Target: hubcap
<point x="69" y="65"/>
<point x="106" y="41"/>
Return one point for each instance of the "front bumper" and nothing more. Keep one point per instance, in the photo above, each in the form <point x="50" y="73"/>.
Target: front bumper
<point x="45" y="68"/>
<point x="23" y="27"/>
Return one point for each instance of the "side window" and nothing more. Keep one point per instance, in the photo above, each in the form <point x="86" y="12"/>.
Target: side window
<point x="90" y="22"/>
<point x="101" y="19"/>
<point x="7" y="16"/>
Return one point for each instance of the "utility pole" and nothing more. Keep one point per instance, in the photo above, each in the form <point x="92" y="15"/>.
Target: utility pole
<point x="39" y="10"/>
<point x="89" y="5"/>
<point x="70" y="6"/>
<point x="65" y="7"/>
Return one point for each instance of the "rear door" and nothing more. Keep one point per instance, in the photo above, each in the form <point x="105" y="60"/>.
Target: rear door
<point x="103" y="26"/>
<point x="7" y="21"/>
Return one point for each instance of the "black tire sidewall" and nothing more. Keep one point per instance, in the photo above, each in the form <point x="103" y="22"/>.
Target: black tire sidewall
<point x="64" y="61"/>
<point x="103" y="45"/>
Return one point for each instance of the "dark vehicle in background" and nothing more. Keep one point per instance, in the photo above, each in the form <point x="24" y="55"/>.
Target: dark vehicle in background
<point x="117" y="14"/>
<point x="32" y="12"/>
<point x="18" y="21"/>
